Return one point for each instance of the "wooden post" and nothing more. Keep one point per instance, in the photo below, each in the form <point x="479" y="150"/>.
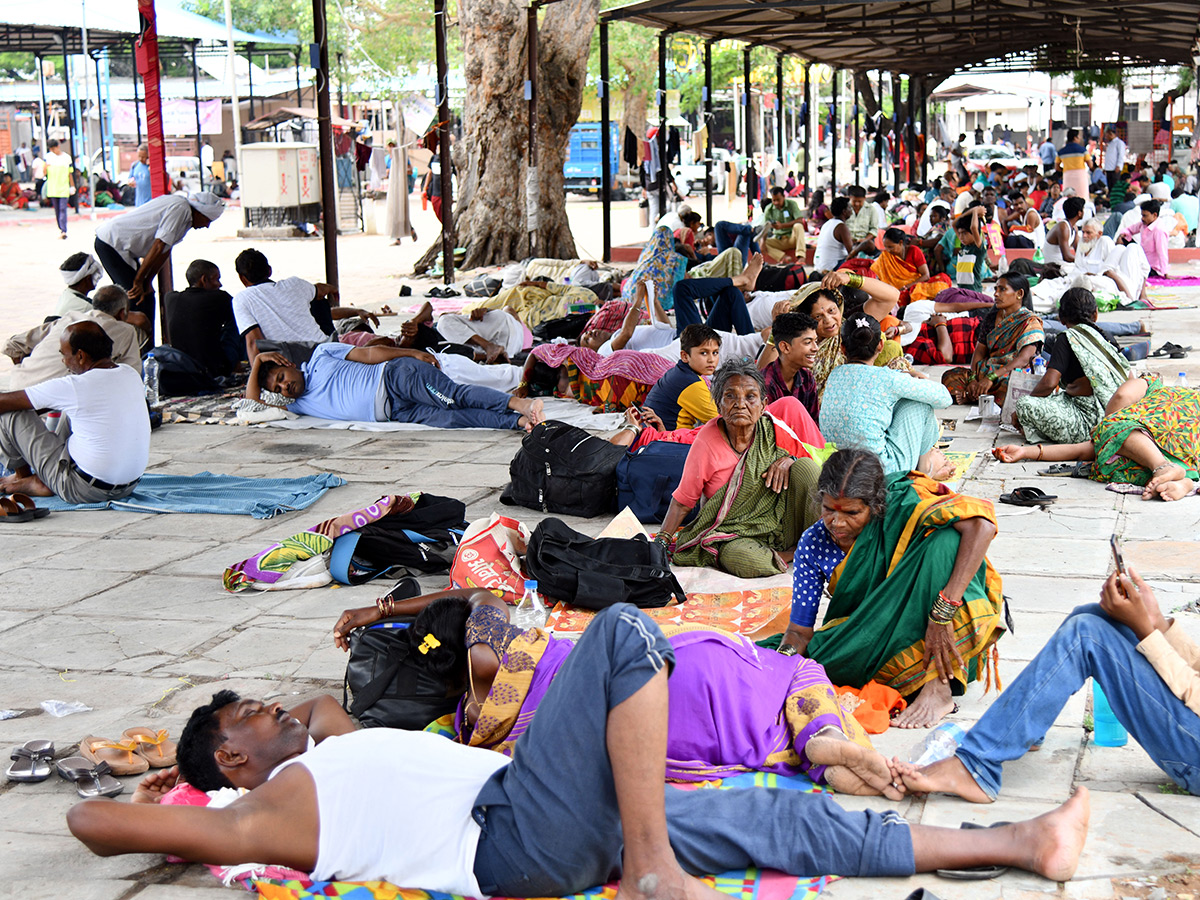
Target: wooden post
<point x="605" y="149"/>
<point x="325" y="141"/>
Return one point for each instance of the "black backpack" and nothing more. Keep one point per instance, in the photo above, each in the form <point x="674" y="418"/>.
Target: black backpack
<point x="420" y="541"/>
<point x="385" y="685"/>
<point x="181" y="374"/>
<point x="563" y="469"/>
<point x="595" y="573"/>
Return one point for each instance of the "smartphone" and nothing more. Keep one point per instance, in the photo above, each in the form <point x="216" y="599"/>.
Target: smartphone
<point x="1116" y="552"/>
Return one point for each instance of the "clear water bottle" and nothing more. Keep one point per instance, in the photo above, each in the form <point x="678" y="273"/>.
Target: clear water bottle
<point x="150" y="379"/>
<point x="939" y="744"/>
<point x="1183" y="382"/>
<point x="1109" y="732"/>
<point x="1039" y="366"/>
<point x="530" y="611"/>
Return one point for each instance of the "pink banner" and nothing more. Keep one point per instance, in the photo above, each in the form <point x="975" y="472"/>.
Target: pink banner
<point x="178" y="117"/>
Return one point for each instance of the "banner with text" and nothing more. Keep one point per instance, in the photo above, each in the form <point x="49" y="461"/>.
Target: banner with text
<point x="179" y="117"/>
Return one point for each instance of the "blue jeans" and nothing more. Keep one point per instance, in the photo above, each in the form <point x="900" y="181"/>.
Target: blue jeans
<point x="1087" y="644"/>
<point x="734" y="234"/>
<point x="60" y="205"/>
<point x="421" y="393"/>
<point x="728" y="312"/>
<point x="550" y="823"/>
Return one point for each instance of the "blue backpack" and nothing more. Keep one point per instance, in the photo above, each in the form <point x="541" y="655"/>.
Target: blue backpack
<point x="646" y="478"/>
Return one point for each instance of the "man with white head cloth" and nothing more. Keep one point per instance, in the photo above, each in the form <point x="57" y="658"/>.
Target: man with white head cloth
<point x="79" y="272"/>
<point x="1100" y="256"/>
<point x="134" y="245"/>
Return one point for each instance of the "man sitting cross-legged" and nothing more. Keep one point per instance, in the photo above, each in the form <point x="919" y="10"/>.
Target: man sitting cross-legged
<point x="105" y="451"/>
<point x="381" y="384"/>
<point x="531" y="827"/>
<point x="1147" y="667"/>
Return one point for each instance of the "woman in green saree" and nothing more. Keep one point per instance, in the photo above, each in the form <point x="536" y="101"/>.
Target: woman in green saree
<point x="1084" y="372"/>
<point x="758" y="477"/>
<point x="1149" y="437"/>
<point x="914" y="602"/>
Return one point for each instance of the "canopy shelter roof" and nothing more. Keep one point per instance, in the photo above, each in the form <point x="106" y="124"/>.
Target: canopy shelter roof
<point x="42" y="26"/>
<point x="287" y="113"/>
<point x="937" y="37"/>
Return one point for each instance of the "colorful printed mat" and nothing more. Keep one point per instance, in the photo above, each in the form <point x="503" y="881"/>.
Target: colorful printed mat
<point x="742" y="612"/>
<point x="209" y="409"/>
<point x="1176" y="296"/>
<point x="748" y="884"/>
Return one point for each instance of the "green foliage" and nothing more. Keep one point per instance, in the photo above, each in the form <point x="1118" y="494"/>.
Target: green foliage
<point x="19" y="66"/>
<point x="1172" y="788"/>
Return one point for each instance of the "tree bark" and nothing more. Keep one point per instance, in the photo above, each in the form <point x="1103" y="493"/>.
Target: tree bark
<point x="489" y="210"/>
<point x="866" y="93"/>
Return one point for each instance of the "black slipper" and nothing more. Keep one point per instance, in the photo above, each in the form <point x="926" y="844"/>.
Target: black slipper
<point x="405" y="290"/>
<point x="975" y="873"/>
<point x="1071" y="470"/>
<point x="1028" y="496"/>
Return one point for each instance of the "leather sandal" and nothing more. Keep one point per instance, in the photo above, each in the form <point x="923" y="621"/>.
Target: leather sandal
<point x="154" y="746"/>
<point x="11" y="514"/>
<point x="1028" y="496"/>
<point x="91" y="779"/>
<point x="25" y="504"/>
<point x="974" y="873"/>
<point x="31" y="762"/>
<point x="121" y="757"/>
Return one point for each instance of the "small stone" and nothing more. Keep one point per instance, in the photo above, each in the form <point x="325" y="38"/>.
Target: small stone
<point x="1158" y="894"/>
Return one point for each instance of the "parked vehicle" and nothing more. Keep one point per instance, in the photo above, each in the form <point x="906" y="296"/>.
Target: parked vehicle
<point x="582" y="170"/>
<point x="694" y="172"/>
<point x="980" y="158"/>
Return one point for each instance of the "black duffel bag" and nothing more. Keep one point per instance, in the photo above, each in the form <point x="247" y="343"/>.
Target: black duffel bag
<point x="563" y="469"/>
<point x="595" y="573"/>
<point x="385" y="684"/>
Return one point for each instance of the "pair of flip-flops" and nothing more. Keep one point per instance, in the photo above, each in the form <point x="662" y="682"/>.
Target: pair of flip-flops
<point x="32" y="764"/>
<point x="17" y="508"/>
<point x="1028" y="496"/>
<point x="1171" y="351"/>
<point x="141" y="749"/>
<point x="442" y="292"/>
<point x="1069" y="469"/>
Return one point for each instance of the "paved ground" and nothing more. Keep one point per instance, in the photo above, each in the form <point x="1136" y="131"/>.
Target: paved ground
<point x="125" y="612"/>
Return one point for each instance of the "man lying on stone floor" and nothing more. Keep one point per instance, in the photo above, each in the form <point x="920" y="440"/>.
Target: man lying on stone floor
<point x="418" y="810"/>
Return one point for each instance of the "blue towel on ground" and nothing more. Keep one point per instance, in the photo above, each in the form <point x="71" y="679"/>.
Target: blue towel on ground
<point x="229" y="495"/>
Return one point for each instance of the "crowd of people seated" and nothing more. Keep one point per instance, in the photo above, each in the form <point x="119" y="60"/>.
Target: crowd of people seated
<point x="813" y="443"/>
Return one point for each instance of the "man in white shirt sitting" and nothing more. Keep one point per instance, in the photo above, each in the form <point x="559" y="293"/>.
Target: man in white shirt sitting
<point x="106" y="450"/>
<point x="1099" y="256"/>
<point x="281" y="311"/>
<point x="79" y="272"/>
<point x="36" y="351"/>
<point x="417" y="810"/>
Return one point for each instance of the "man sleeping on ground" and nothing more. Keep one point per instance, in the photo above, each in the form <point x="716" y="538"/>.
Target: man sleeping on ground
<point x="382" y="384"/>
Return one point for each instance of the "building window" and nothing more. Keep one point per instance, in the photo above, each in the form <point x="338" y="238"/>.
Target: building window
<point x="1079" y="116"/>
<point x="1130" y="112"/>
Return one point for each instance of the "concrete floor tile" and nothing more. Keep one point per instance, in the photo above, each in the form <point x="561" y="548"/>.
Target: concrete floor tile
<point x="1060" y="556"/>
<point x="1183" y="810"/>
<point x="1119" y="768"/>
<point x="118" y="554"/>
<point x="1175" y="560"/>
<point x="93" y="644"/>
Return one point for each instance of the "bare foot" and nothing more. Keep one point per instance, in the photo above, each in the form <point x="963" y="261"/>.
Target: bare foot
<point x="1162" y="479"/>
<point x="932" y="703"/>
<point x="749" y="276"/>
<point x="1176" y="490"/>
<point x="935" y="463"/>
<point x="530" y="410"/>
<point x="1055" y="839"/>
<point x="423" y="314"/>
<point x="30" y="484"/>
<point x="852" y="768"/>
<point x="947" y="776"/>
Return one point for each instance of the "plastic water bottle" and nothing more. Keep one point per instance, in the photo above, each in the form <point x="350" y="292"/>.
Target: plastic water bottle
<point x="150" y="379"/>
<point x="1038" y="256"/>
<point x="1039" y="366"/>
<point x="1183" y="382"/>
<point x="939" y="744"/>
<point x="1109" y="732"/>
<point x="530" y="611"/>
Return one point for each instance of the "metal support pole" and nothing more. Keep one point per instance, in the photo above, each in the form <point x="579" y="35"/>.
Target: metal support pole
<point x="924" y="132"/>
<point x="605" y="150"/>
<point x="299" y="93"/>
<point x="320" y="49"/>
<point x="83" y="114"/>
<point x="664" y="171"/>
<point x="880" y="139"/>
<point x="780" y="149"/>
<point x="341" y="78"/>
<point x="103" y="130"/>
<point x="42" y="84"/>
<point x="910" y="138"/>
<point x="196" y="96"/>
<point x="137" y="106"/>
<point x="895" y="132"/>
<point x="751" y="172"/>
<point x="532" y="200"/>
<point x="708" y="130"/>
<point x="443" y="98"/>
<point x="250" y="69"/>
<point x="833" y="133"/>
<point x="70" y="110"/>
<point x="235" y="104"/>
<point x="858" y="154"/>
<point x="808" y="116"/>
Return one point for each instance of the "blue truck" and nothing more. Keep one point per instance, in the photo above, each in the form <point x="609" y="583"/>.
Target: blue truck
<point x="581" y="170"/>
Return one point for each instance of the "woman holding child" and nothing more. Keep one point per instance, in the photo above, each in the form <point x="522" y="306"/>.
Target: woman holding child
<point x="734" y="707"/>
<point x="914" y="602"/>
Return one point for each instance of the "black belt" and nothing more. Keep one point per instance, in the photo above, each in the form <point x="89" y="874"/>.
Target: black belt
<point x="98" y="483"/>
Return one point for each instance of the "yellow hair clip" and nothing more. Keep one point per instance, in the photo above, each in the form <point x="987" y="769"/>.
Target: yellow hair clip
<point x="429" y="643"/>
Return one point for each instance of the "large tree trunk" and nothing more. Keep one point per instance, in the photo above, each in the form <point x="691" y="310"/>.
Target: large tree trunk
<point x="866" y="92"/>
<point x="490" y="209"/>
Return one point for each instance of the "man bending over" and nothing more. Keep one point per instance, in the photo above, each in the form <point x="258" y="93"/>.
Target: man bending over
<point x="382" y="384"/>
<point x="108" y="445"/>
<point x="529" y="826"/>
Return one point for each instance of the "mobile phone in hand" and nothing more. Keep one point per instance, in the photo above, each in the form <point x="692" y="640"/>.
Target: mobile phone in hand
<point x="1116" y="552"/>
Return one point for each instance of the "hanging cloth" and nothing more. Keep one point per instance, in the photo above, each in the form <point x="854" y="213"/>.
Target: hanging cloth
<point x="399" y="222"/>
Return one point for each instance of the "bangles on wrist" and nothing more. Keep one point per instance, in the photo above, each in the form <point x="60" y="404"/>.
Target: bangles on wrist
<point x="854" y="280"/>
<point x="944" y="609"/>
<point x="386" y="606"/>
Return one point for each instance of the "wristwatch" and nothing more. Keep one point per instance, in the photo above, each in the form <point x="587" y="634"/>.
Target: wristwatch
<point x="788" y="650"/>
